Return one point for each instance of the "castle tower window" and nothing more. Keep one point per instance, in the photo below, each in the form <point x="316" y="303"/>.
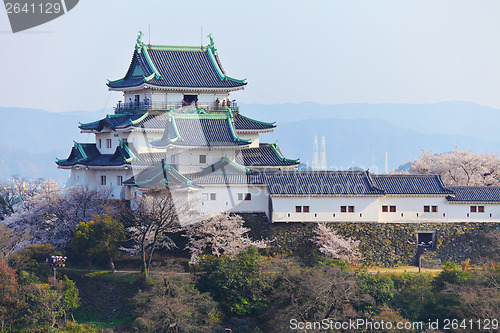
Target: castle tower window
<point x="343" y="209"/>
<point x="203" y="159"/>
<point x="103" y="180"/>
<point x="427" y="209"/>
<point x="480" y="209"/>
<point x="190" y="99"/>
<point x="392" y="209"/>
<point x="245" y="196"/>
<point x="99" y="143"/>
<point x="434" y="209"/>
<point x="108" y="143"/>
<point x="213" y="196"/>
<point x="298" y="209"/>
<point x="473" y="209"/>
<point x="305" y="209"/>
<point x="119" y="180"/>
<point x="351" y="209"/>
<point x="385" y="209"/>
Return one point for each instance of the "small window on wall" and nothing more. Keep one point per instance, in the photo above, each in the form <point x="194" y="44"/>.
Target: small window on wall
<point x="108" y="143"/>
<point x="305" y="209"/>
<point x="119" y="180"/>
<point x="298" y="209"/>
<point x="99" y="143"/>
<point x="392" y="209"/>
<point x="385" y="209"/>
<point x="473" y="209"/>
<point x="343" y="209"/>
<point x="203" y="159"/>
<point x="480" y="209"/>
<point x="213" y="196"/>
<point x="434" y="209"/>
<point x="350" y="209"/>
<point x="103" y="180"/>
<point x="427" y="209"/>
<point x="244" y="196"/>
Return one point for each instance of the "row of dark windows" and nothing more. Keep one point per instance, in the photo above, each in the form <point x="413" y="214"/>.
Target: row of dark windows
<point x="241" y="196"/>
<point x="305" y="209"/>
<point x="385" y="209"/>
<point x="108" y="143"/>
<point x="119" y="180"/>
<point x="477" y="209"/>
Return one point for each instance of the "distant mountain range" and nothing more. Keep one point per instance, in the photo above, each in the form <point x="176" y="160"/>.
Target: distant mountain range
<point x="357" y="135"/>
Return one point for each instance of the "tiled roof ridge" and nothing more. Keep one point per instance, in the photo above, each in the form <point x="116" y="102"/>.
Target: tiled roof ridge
<point x="277" y="151"/>
<point x="474" y="186"/>
<point x="372" y="183"/>
<point x="145" y="56"/>
<point x="257" y="121"/>
<point x="394" y="175"/>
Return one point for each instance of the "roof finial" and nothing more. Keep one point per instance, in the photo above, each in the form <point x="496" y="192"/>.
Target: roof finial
<point x="139" y="40"/>
<point x="211" y="40"/>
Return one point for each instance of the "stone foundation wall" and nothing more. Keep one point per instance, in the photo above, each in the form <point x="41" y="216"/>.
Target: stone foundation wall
<point x="381" y="244"/>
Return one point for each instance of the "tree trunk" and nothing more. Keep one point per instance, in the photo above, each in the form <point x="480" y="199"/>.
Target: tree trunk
<point x="111" y="263"/>
<point x="144" y="268"/>
<point x="90" y="264"/>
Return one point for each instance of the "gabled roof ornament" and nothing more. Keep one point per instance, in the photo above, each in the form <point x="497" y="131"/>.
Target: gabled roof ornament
<point x="212" y="44"/>
<point x="138" y="44"/>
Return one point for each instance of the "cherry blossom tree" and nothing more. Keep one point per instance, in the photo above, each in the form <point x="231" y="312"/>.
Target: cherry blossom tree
<point x="330" y="243"/>
<point x="15" y="193"/>
<point x="150" y="224"/>
<point x="51" y="214"/>
<point x="223" y="234"/>
<point x="460" y="168"/>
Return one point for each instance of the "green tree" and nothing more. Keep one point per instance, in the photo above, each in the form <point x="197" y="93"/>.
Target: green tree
<point x="102" y="235"/>
<point x="33" y="259"/>
<point x="41" y="305"/>
<point x="413" y="295"/>
<point x="173" y="304"/>
<point x="236" y="282"/>
<point x="378" y="286"/>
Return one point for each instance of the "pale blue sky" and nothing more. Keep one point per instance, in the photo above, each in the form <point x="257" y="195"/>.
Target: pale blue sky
<point x="290" y="51"/>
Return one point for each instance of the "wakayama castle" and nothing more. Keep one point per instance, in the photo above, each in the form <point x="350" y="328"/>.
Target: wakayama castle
<point x="178" y="128"/>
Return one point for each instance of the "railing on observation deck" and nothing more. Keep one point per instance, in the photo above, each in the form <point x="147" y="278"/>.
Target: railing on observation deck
<point x="140" y="107"/>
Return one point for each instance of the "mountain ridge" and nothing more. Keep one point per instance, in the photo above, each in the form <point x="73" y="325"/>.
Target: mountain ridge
<point x="357" y="134"/>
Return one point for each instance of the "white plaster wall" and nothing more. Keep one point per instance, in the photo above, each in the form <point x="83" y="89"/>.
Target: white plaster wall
<point x="92" y="179"/>
<point x="115" y="140"/>
<point x="250" y="136"/>
<point x="324" y="209"/>
<point x="140" y="141"/>
<point x="461" y="212"/>
<point x="159" y="97"/>
<point x="174" y="98"/>
<point x="411" y="209"/>
<point x="189" y="160"/>
<point x="206" y="98"/>
<point x="227" y="199"/>
<point x="220" y="97"/>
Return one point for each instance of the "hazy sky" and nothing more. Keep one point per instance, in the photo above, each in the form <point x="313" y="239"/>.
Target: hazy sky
<point x="290" y="51"/>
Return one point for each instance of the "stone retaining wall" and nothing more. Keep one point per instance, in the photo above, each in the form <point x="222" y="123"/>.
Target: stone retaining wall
<point x="383" y="244"/>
